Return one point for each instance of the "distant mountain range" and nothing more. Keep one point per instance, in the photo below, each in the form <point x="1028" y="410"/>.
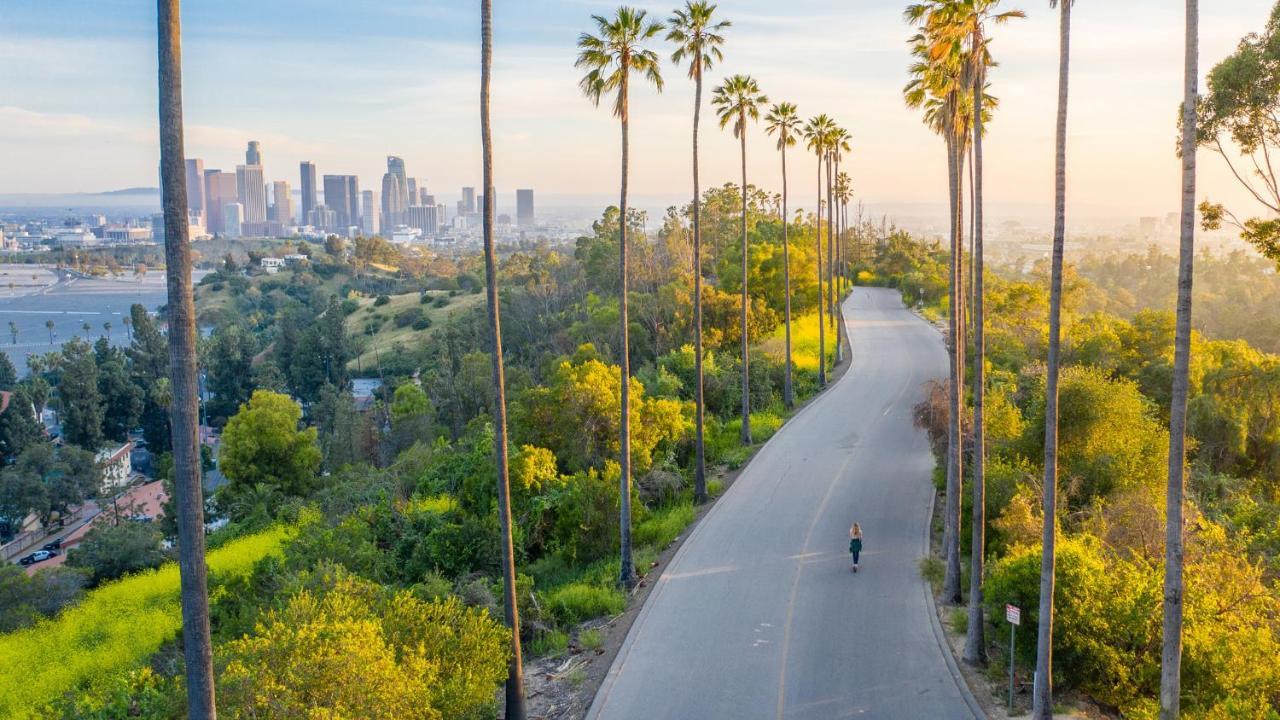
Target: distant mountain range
<point x="129" y="191"/>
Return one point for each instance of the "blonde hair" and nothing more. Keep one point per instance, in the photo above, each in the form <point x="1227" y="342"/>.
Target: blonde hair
<point x="855" y="531"/>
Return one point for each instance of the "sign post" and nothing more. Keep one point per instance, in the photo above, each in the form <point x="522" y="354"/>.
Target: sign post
<point x="1014" y="615"/>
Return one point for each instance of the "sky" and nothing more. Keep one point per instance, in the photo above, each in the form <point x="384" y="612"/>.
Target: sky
<point x="345" y="84"/>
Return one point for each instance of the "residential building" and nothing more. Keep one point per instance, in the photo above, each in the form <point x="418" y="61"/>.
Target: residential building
<point x="116" y="464"/>
<point x="272" y="264"/>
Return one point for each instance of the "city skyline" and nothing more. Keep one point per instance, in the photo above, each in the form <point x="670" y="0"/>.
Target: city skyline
<point x="1125" y="90"/>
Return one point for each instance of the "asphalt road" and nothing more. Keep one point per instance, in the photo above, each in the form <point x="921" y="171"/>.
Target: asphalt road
<point x="758" y="614"/>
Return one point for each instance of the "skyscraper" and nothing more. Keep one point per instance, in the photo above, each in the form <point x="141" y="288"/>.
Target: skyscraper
<point x="468" y="205"/>
<point x="282" y="202"/>
<point x="395" y="166"/>
<point x="195" y="187"/>
<point x="413" y="191"/>
<point x="252" y="193"/>
<point x="427" y="198"/>
<point x="370" y="212"/>
<point x="253" y="156"/>
<point x="424" y="217"/>
<point x="220" y="191"/>
<point x="232" y="219"/>
<point x="393" y="200"/>
<point x="342" y="196"/>
<point x="308" y="190"/>
<point x="524" y="207"/>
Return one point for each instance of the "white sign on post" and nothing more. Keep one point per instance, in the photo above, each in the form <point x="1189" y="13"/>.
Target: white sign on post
<point x="1013" y="614"/>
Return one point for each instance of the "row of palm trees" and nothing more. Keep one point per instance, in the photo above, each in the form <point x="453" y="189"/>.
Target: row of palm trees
<point x="949" y="83"/>
<point x="615" y="54"/>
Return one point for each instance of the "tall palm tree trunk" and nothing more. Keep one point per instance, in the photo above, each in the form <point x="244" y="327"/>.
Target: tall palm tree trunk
<point x="183" y="411"/>
<point x="788" y="390"/>
<point x="1171" y="652"/>
<point x="831" y="290"/>
<point x="975" y="650"/>
<point x="817" y="232"/>
<point x="627" y="573"/>
<point x="515" y="709"/>
<point x="746" y="352"/>
<point x="1042" y="693"/>
<point x="955" y="430"/>
<point x="699" y="402"/>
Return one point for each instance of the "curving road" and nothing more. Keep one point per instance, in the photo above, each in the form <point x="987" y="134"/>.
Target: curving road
<point x="758" y="615"/>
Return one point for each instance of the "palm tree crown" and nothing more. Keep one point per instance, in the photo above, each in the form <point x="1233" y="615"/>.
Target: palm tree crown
<point x="784" y="122"/>
<point x="611" y="56"/>
<point x="696" y="37"/>
<point x="737" y="101"/>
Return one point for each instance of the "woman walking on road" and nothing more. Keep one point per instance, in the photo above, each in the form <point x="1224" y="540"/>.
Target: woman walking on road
<point x="855" y="544"/>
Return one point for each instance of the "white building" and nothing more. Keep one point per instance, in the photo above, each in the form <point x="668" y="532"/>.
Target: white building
<point x="75" y="238"/>
<point x="272" y="264"/>
<point x="116" y="464"/>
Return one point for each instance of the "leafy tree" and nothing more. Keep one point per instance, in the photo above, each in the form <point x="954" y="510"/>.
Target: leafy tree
<point x="122" y="398"/>
<point x="230" y="366"/>
<point x="8" y="374"/>
<point x="262" y="445"/>
<point x="411" y="416"/>
<point x="79" y="397"/>
<point x="698" y="39"/>
<point x="18" y="427"/>
<point x="26" y="599"/>
<point x="609" y="59"/>
<point x="416" y="659"/>
<point x="338" y="428"/>
<point x="110" y="551"/>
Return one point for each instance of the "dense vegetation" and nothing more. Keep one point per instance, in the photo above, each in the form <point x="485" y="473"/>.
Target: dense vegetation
<point x="1113" y="453"/>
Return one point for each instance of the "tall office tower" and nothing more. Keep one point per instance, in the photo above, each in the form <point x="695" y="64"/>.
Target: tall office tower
<point x="252" y="193"/>
<point x="308" y="190"/>
<point x="393" y="200"/>
<point x="342" y="196"/>
<point x="524" y="208"/>
<point x="370" y="212"/>
<point x="282" y="198"/>
<point x="395" y="166"/>
<point x="253" y="156"/>
<point x="232" y="219"/>
<point x="424" y="217"/>
<point x="427" y="198"/>
<point x="195" y="187"/>
<point x="468" y="205"/>
<point x="220" y="191"/>
<point x="412" y="184"/>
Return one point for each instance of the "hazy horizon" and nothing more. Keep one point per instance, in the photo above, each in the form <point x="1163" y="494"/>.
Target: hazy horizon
<point x="345" y="85"/>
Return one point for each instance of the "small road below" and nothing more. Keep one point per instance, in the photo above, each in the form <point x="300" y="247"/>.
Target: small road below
<point x="758" y="614"/>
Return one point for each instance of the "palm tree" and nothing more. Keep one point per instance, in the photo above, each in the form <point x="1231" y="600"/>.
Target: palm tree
<point x="738" y="101"/>
<point x="839" y="145"/>
<point x="783" y="121"/>
<point x="960" y="25"/>
<point x="844" y="193"/>
<point x="48" y="325"/>
<point x="936" y="87"/>
<point x="183" y="410"/>
<point x="107" y="327"/>
<point x="86" y="327"/>
<point x="1042" y="693"/>
<point x="817" y="133"/>
<point x="13" y="332"/>
<point x="609" y="59"/>
<point x="515" y="709"/>
<point x="698" y="40"/>
<point x="1171" y="653"/>
<point x="128" y="327"/>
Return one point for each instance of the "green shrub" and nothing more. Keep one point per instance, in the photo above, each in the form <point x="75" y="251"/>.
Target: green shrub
<point x="580" y="601"/>
<point x="662" y="527"/>
<point x="590" y="639"/>
<point x="549" y="643"/>
<point x="381" y="300"/>
<point x="932" y="570"/>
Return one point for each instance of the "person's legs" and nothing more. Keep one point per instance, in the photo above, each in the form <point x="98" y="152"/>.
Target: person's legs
<point x="855" y="558"/>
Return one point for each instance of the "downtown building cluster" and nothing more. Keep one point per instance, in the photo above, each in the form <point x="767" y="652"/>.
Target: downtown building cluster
<point x="401" y="209"/>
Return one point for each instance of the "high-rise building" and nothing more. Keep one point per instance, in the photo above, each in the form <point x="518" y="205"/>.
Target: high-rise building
<point x="370" y="212"/>
<point x="253" y="156"/>
<point x="393" y="200"/>
<point x="220" y="191"/>
<point x="322" y="217"/>
<point x="412" y="184"/>
<point x="468" y="204"/>
<point x="395" y="166"/>
<point x="282" y="203"/>
<point x="232" y="219"/>
<point x="308" y="189"/>
<point x="427" y="198"/>
<point x="425" y="218"/>
<point x="342" y="196"/>
<point x="251" y="191"/>
<point x="524" y="207"/>
<point x="195" y="186"/>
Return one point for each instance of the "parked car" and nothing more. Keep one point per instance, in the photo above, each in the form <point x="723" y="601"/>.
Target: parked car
<point x="38" y="556"/>
<point x="53" y="544"/>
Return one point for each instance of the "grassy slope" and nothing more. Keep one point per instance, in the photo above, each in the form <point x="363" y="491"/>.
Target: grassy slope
<point x="388" y="336"/>
<point x="114" y="628"/>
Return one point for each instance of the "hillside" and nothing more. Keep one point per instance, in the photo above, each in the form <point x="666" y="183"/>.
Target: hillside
<point x="405" y="321"/>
